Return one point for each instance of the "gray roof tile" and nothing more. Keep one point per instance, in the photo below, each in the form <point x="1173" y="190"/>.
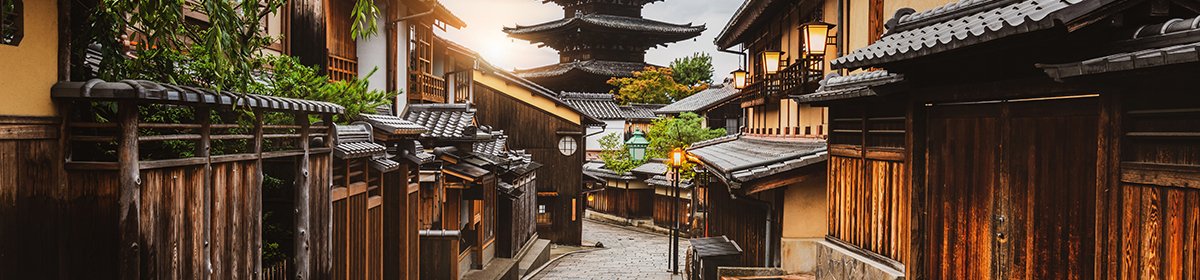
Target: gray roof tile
<point x="609" y="21"/>
<point x="638" y="111"/>
<point x="598" y="105"/>
<point x="149" y="91"/>
<point x="596" y="169"/>
<point x="919" y="37"/>
<point x="745" y="158"/>
<point x="393" y="124"/>
<point x="652" y="167"/>
<point x="597" y="67"/>
<point x="444" y="121"/>
<point x="714" y="95"/>
<point x="835" y="87"/>
<point x="1151" y="57"/>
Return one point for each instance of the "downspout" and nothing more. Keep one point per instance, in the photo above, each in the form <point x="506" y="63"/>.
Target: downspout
<point x="767" y="239"/>
<point x="431" y="10"/>
<point x="841" y="28"/>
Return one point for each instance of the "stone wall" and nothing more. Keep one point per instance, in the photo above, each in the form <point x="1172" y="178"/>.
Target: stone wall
<point x="837" y="263"/>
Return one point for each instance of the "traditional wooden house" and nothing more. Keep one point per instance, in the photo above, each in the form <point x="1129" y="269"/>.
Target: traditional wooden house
<point x="597" y="40"/>
<point x="603" y="107"/>
<point x="717" y="105"/>
<point x="766" y="187"/>
<point x="1017" y="140"/>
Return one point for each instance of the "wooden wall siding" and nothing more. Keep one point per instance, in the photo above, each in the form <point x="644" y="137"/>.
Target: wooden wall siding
<point x="374" y="238"/>
<point x="414" y="225"/>
<point x="32" y="199"/>
<point x="306" y="32"/>
<point x="635" y="203"/>
<point x="1155" y="215"/>
<point x="357" y="228"/>
<point x="338" y="22"/>
<point x="961" y="174"/>
<point x="516" y="222"/>
<point x="536" y="132"/>
<point x="744" y="223"/>
<point x="663" y="209"/>
<point x="868" y="205"/>
<point x="320" y="219"/>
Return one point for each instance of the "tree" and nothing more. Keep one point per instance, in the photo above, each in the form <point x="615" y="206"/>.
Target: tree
<point x="693" y="71"/>
<point x="651" y="86"/>
<point x="616" y="155"/>
<point x="671" y="133"/>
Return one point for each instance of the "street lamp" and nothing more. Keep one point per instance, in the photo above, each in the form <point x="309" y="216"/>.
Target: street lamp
<point x="770" y="59"/>
<point x="816" y="37"/>
<point x="677" y="160"/>
<point x="739" y="78"/>
<point x="637" y="145"/>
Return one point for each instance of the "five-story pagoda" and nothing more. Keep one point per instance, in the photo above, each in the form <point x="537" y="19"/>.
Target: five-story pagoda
<point x="597" y="40"/>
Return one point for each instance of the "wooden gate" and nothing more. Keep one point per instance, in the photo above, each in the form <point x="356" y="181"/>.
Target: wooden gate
<point x="1012" y="189"/>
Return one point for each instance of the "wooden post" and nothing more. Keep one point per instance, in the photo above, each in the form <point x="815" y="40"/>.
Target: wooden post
<point x="326" y="185"/>
<point x="302" y="243"/>
<point x="129" y="191"/>
<point x="203" y="150"/>
<point x="256" y="197"/>
<point x="916" y="264"/>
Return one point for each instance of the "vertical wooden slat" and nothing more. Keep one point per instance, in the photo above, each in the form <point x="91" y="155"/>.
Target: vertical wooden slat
<point x="1191" y="235"/>
<point x="1131" y="230"/>
<point x="1151" y="227"/>
<point x="254" y="252"/>
<point x="129" y="191"/>
<point x="1173" y="235"/>
<point x="302" y="266"/>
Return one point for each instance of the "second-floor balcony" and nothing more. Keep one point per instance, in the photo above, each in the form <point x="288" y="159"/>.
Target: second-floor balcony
<point x="798" y="78"/>
<point x="426" y="88"/>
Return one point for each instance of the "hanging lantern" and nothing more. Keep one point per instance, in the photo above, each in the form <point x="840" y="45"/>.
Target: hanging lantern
<point x="816" y="37"/>
<point x="770" y="60"/>
<point x="739" y="79"/>
<point x="677" y="158"/>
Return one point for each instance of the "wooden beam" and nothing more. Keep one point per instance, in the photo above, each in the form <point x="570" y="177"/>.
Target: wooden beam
<point x="203" y="150"/>
<point x="783" y="179"/>
<point x="129" y="192"/>
<point x="1173" y="175"/>
<point x="28" y="131"/>
<point x="256" y="195"/>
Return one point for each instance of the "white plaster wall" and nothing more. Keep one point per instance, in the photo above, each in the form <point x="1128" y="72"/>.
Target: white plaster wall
<point x="593" y="142"/>
<point x="372" y="52"/>
<point x="401" y="61"/>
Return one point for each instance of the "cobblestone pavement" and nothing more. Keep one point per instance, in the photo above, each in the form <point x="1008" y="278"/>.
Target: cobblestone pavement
<point x="631" y="255"/>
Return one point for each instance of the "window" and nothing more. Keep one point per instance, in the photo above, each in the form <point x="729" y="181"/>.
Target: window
<point x="12" y="27"/>
<point x="567" y="145"/>
<point x="543" y="216"/>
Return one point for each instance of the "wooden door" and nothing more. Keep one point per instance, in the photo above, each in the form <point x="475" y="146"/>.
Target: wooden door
<point x="1012" y="189"/>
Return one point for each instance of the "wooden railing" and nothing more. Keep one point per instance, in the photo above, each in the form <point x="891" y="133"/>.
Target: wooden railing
<point x="800" y="77"/>
<point x="462" y="86"/>
<point x="278" y="271"/>
<point x="426" y="88"/>
<point x="342" y="69"/>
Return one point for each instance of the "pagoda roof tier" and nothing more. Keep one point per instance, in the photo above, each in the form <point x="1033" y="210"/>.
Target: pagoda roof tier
<point x="568" y="3"/>
<point x="581" y="76"/>
<point x="647" y="32"/>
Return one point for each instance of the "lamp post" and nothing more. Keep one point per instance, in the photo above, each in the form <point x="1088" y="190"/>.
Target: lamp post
<point x="637" y="145"/>
<point x="677" y="159"/>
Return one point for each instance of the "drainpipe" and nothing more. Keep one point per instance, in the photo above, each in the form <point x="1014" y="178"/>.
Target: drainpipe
<point x="767" y="240"/>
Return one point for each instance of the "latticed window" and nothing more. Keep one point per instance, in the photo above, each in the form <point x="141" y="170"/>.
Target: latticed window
<point x="567" y="145"/>
<point x="420" y="35"/>
<point x="12" y="27"/>
<point x="543" y="215"/>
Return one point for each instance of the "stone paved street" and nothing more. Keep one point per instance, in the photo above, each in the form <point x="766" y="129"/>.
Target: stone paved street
<point x="631" y="255"/>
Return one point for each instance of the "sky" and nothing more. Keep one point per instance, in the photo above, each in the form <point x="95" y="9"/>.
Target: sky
<point x="486" y="19"/>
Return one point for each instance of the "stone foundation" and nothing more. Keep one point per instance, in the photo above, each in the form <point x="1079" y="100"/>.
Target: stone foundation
<point x="837" y="263"/>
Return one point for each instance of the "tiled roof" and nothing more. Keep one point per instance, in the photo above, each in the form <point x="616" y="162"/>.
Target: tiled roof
<point x="714" y="95"/>
<point x="639" y="111"/>
<point x="566" y="3"/>
<point x="148" y="91"/>
<point x="609" y="21"/>
<point x="663" y="181"/>
<point x="444" y="121"/>
<point x="597" y="67"/>
<point x="652" y="167"/>
<point x="354" y="141"/>
<point x="714" y="247"/>
<point x="950" y="27"/>
<point x="835" y="87"/>
<point x="419" y="156"/>
<point x="745" y="158"/>
<point x="1151" y="57"/>
<point x="384" y="165"/>
<point x="596" y="169"/>
<point x="393" y="124"/>
<point x="495" y="146"/>
<point x="598" y="105"/>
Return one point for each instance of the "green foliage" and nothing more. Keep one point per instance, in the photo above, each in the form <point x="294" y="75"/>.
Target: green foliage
<point x="293" y="80"/>
<point x="651" y="86"/>
<point x="693" y="71"/>
<point x="671" y="133"/>
<point x="615" y="155"/>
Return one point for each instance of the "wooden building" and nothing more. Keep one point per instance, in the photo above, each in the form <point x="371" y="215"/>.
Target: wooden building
<point x="597" y="40"/>
<point x="767" y="188"/>
<point x="625" y="195"/>
<point x="621" y="120"/>
<point x="1017" y="140"/>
